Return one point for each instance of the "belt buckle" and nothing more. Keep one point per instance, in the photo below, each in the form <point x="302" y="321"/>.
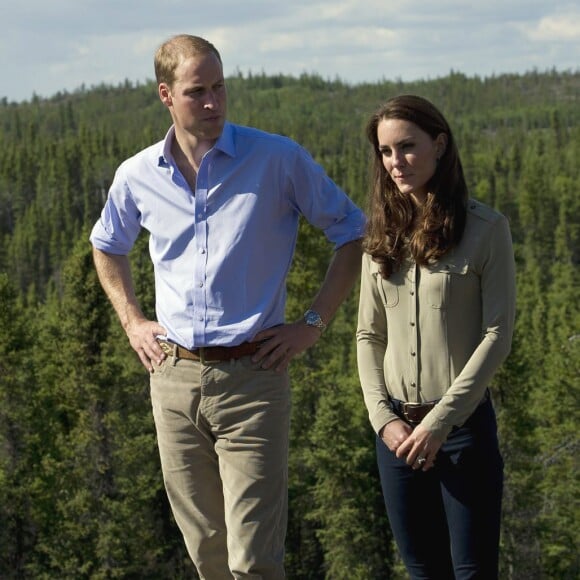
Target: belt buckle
<point x="166" y="347"/>
<point x="409" y="407"/>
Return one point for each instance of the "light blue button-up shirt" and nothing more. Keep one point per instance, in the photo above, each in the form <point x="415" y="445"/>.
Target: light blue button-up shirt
<point x="221" y="254"/>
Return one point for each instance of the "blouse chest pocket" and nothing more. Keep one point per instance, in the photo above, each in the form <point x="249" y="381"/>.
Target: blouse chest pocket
<point x="388" y="291"/>
<point x="441" y="278"/>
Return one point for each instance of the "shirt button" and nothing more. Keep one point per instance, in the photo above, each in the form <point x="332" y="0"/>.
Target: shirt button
<point x="412" y="293"/>
<point x="412" y="353"/>
<point x="200" y="284"/>
<point x="413" y="384"/>
<point x="201" y="250"/>
<point x="200" y="318"/>
<point x="412" y="323"/>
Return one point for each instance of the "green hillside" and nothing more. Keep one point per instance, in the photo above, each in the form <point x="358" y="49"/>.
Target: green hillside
<point x="81" y="492"/>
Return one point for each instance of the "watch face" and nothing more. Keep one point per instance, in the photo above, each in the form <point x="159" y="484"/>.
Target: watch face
<point x="313" y="319"/>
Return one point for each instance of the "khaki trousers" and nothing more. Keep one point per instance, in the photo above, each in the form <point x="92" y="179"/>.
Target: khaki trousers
<point x="223" y="436"/>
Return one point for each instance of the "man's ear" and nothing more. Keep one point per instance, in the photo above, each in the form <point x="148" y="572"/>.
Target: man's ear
<point x="165" y="94"/>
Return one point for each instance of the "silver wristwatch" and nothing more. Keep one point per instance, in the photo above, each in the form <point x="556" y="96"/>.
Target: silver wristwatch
<point x="312" y="318"/>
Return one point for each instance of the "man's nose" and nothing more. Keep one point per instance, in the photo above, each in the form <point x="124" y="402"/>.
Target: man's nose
<point x="211" y="100"/>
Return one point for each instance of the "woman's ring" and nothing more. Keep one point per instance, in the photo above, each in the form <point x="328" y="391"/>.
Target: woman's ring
<point x="421" y="460"/>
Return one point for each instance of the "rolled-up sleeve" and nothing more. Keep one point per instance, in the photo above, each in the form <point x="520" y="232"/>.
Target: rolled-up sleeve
<point x="119" y="225"/>
<point x="323" y="203"/>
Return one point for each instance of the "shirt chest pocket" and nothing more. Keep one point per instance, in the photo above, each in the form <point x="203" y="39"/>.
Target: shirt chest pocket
<point x="389" y="292"/>
<point x="443" y="279"/>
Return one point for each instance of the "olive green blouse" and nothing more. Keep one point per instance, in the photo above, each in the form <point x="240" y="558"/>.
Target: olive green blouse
<point x="439" y="332"/>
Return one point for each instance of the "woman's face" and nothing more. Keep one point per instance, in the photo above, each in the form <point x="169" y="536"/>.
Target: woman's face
<point x="409" y="155"/>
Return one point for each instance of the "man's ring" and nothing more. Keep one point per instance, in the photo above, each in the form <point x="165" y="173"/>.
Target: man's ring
<point x="421" y="460"/>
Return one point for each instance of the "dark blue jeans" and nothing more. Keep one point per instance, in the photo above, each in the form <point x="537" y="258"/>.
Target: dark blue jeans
<point x="446" y="521"/>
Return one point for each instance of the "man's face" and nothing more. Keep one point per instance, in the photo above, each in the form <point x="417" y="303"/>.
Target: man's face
<point x="197" y="100"/>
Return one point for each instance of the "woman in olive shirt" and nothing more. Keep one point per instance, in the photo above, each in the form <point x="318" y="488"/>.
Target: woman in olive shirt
<point x="435" y="322"/>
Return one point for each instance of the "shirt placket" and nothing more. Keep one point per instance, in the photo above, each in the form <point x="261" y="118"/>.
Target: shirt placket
<point x="200" y="264"/>
<point x="413" y="346"/>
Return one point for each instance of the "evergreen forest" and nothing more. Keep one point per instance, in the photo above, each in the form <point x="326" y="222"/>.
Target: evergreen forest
<point x="81" y="493"/>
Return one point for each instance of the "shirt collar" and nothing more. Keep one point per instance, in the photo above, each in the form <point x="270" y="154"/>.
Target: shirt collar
<point x="225" y="144"/>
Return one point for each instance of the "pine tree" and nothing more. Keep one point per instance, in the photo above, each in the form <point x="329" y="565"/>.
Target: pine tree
<point x="19" y="430"/>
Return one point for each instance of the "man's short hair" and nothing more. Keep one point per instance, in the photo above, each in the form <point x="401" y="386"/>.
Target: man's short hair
<point x="177" y="49"/>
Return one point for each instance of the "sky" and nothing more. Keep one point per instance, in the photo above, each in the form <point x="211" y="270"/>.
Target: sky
<point x="49" y="46"/>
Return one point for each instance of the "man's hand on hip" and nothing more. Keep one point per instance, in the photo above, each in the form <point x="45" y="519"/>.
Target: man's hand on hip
<point x="143" y="335"/>
<point x="282" y="343"/>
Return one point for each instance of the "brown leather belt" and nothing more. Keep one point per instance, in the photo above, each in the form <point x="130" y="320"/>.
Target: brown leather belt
<point x="209" y="354"/>
<point x="413" y="413"/>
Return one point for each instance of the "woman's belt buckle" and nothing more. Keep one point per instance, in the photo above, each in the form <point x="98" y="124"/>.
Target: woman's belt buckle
<point x="415" y="412"/>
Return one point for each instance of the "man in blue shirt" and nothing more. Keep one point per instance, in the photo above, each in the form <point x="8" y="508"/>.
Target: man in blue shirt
<point x="221" y="203"/>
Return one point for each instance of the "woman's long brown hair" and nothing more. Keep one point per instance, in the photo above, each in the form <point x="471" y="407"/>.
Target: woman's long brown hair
<point x="392" y="233"/>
